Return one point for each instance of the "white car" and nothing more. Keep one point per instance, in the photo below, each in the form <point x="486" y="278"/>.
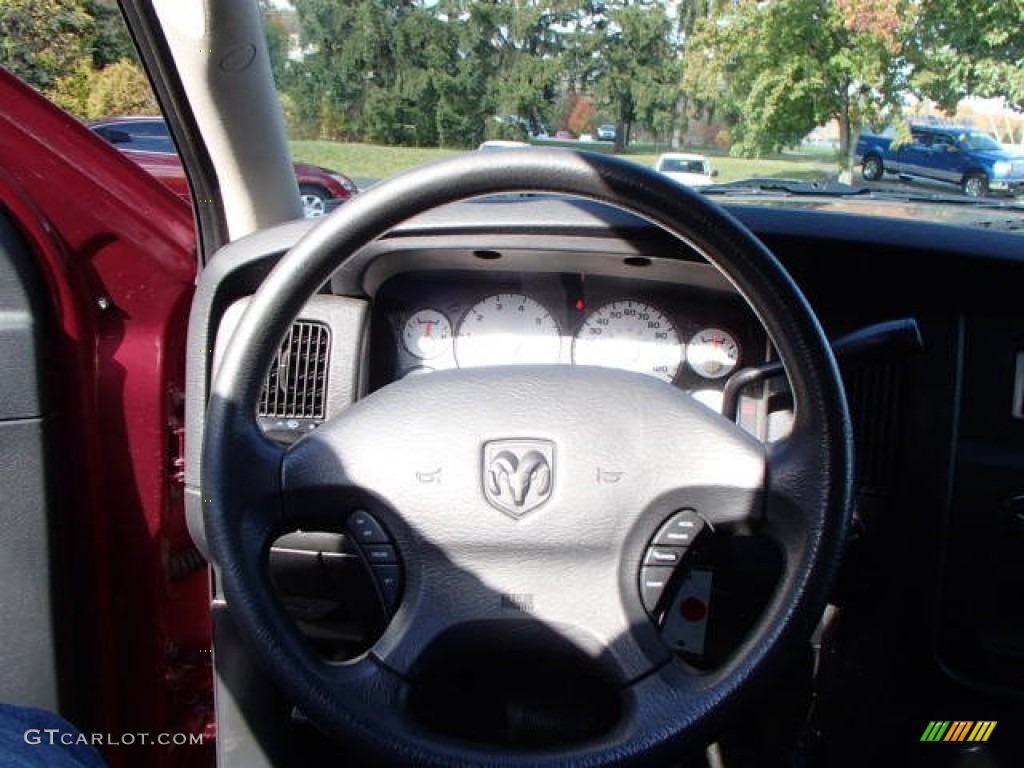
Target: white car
<point x="691" y="170"/>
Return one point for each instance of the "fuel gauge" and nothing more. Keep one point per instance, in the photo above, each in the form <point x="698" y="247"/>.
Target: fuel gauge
<point x="713" y="353"/>
<point x="427" y="334"/>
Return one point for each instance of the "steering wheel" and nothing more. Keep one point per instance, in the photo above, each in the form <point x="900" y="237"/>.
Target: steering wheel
<point x="566" y="572"/>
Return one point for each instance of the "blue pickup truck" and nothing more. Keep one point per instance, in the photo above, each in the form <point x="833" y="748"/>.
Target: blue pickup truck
<point x="966" y="157"/>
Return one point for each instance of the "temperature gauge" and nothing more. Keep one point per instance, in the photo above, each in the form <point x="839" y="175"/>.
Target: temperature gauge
<point x="713" y="353"/>
<point x="427" y="334"/>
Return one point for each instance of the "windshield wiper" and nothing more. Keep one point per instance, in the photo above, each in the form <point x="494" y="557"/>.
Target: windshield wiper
<point x="768" y="185"/>
<point x="799" y="187"/>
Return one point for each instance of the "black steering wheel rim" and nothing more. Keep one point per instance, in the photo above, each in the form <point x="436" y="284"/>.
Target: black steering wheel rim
<point x="242" y="471"/>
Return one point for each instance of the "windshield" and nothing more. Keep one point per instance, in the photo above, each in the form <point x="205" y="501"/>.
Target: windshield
<point x="762" y="89"/>
<point x="779" y="89"/>
<point x="979" y="141"/>
<point x="681" y="165"/>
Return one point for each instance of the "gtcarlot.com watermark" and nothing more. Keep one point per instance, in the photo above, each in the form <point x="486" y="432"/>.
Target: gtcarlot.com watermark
<point x="54" y="736"/>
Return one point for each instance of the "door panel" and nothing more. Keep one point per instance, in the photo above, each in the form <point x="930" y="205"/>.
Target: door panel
<point x="28" y="605"/>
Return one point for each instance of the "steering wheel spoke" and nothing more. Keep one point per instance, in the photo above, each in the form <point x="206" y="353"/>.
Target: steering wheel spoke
<point x="794" y="503"/>
<point x="249" y="503"/>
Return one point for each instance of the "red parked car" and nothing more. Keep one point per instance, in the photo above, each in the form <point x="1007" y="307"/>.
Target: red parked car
<point x="146" y="140"/>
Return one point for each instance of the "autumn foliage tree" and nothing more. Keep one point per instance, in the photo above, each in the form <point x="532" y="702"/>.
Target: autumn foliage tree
<point x="779" y="69"/>
<point x="581" y="117"/>
<point x="78" y="53"/>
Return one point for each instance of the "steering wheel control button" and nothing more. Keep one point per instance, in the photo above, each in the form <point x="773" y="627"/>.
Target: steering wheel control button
<point x="686" y="620"/>
<point x="670" y="556"/>
<point x="665" y="559"/>
<point x="364" y="528"/>
<point x="681" y="530"/>
<point x="380" y="554"/>
<point x="389" y="583"/>
<point x="378" y="551"/>
<point x="654" y="580"/>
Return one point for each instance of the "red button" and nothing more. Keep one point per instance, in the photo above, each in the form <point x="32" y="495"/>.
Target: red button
<point x="693" y="609"/>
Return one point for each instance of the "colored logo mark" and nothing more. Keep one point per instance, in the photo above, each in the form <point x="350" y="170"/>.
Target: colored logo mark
<point x="958" y="730"/>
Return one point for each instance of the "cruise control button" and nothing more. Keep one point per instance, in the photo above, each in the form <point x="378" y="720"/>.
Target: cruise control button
<point x="365" y="529"/>
<point x="380" y="554"/>
<point x="389" y="581"/>
<point x="653" y="580"/>
<point x="681" y="530"/>
<point x="664" y="555"/>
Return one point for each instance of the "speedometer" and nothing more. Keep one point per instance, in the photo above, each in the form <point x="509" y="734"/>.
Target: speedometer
<point x="507" y="329"/>
<point x="630" y="335"/>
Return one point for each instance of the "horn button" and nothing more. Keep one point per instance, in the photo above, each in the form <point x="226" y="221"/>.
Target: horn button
<point x="553" y="489"/>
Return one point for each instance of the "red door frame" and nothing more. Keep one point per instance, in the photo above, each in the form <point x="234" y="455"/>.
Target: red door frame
<point x="117" y="251"/>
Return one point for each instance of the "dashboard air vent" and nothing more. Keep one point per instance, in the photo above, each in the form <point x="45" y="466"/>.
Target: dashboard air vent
<point x="876" y="397"/>
<point x="296" y="384"/>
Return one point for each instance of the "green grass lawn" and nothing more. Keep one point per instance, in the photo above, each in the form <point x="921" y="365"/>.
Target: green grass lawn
<point x="368" y="161"/>
<point x="364" y="160"/>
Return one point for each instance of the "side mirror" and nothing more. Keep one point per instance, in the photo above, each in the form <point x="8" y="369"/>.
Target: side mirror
<point x="714" y="173"/>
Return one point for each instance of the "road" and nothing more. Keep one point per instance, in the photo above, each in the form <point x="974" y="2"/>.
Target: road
<point x="921" y="187"/>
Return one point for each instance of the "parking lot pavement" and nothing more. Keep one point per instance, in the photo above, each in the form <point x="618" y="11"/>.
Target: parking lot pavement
<point x="918" y="186"/>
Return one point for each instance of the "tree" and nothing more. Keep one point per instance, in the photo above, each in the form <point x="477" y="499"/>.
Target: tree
<point x="531" y="64"/>
<point x="424" y="56"/>
<point x="971" y="48"/>
<point x="110" y="41"/>
<point x="349" y="54"/>
<point x="374" y="69"/>
<point x="277" y="40"/>
<point x="636" y="64"/>
<point x="779" y="69"/>
<point x="42" y="41"/>
<point x="429" y="71"/>
<point x="582" y="118"/>
<point x="120" y="89"/>
<point x="460" y="117"/>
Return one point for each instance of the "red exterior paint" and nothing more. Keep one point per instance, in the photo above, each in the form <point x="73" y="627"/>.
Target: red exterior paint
<point x="168" y="169"/>
<point x="107" y="235"/>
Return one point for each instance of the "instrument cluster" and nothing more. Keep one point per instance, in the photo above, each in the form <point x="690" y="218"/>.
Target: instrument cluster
<point x="689" y="336"/>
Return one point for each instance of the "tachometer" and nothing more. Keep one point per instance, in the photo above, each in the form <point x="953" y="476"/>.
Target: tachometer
<point x="713" y="353"/>
<point x="630" y="335"/>
<point x="507" y="329"/>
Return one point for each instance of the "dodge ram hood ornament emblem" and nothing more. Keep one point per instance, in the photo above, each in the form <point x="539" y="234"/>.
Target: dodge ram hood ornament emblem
<point x="518" y="475"/>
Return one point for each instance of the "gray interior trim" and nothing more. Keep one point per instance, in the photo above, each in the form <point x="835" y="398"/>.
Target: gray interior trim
<point x="28" y="640"/>
<point x="346" y="317"/>
<point x="222" y="58"/>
